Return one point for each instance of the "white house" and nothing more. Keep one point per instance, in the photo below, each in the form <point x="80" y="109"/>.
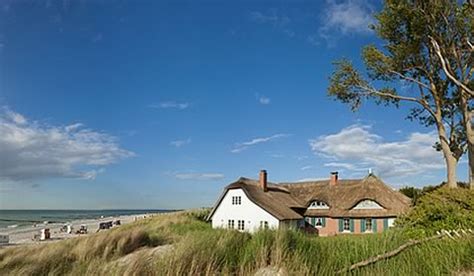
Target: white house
<point x="326" y="207"/>
<point x="248" y="205"/>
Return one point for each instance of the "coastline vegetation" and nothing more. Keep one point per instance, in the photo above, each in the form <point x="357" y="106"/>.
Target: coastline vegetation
<point x="182" y="243"/>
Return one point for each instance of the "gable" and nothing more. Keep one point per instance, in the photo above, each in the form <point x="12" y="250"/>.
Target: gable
<point x="245" y="207"/>
<point x="367" y="204"/>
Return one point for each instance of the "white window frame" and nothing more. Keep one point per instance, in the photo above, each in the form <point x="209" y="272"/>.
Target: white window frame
<point x="368" y="229"/>
<point x="230" y="224"/>
<point x="317" y="204"/>
<point x="236" y="200"/>
<point x="241" y="225"/>
<point x="348" y="229"/>
<point x="318" y="222"/>
<point x="368" y="204"/>
<point x="264" y="224"/>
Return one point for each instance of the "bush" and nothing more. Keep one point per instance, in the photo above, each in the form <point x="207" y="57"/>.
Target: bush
<point x="443" y="208"/>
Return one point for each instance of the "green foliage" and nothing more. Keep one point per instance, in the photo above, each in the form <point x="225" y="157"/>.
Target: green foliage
<point x="415" y="193"/>
<point x="408" y="59"/>
<point x="442" y="208"/>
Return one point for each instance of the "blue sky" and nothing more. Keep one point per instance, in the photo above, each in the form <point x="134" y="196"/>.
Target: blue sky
<point x="160" y="104"/>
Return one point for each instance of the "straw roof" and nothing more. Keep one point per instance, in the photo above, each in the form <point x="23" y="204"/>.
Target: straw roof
<point x="287" y="201"/>
<point x="346" y="194"/>
<point x="276" y="200"/>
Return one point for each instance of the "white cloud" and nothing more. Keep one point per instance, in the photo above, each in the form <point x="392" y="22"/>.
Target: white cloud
<point x="171" y="104"/>
<point x="199" y="176"/>
<point x="15" y="117"/>
<point x="313" y="40"/>
<point x="261" y="17"/>
<point x="244" y="145"/>
<point x="274" y="18"/>
<point x="30" y="150"/>
<point x="340" y="165"/>
<point x="345" y="17"/>
<point x="97" y="37"/>
<point x="180" y="143"/>
<point x="306" y="168"/>
<point x="356" y="148"/>
<point x="264" y="100"/>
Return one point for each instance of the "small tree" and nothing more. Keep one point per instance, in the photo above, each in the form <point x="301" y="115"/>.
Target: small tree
<point x="409" y="57"/>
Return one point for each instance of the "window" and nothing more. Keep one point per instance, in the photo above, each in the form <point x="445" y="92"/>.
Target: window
<point x="368" y="204"/>
<point x="230" y="224"/>
<point x="241" y="224"/>
<point x="316" y="222"/>
<point x="368" y="225"/>
<point x="318" y="205"/>
<point x="346" y="225"/>
<point x="264" y="224"/>
<point x="236" y="200"/>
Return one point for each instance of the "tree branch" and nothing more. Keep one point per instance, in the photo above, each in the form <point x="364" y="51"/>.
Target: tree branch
<point x="421" y="102"/>
<point x="470" y="44"/>
<point x="447" y="70"/>
<point x="410" y="79"/>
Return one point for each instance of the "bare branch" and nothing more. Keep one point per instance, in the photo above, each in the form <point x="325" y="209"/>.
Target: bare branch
<point x="410" y="79"/>
<point x="373" y="91"/>
<point x="470" y="44"/>
<point x="447" y="70"/>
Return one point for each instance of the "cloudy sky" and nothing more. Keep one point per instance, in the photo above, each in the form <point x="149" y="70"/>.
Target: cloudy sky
<point x="160" y="104"/>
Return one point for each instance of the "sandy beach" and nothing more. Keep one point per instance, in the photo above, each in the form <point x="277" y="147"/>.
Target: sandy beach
<point x="25" y="234"/>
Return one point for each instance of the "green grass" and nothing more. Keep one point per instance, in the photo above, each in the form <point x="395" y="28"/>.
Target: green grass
<point x="200" y="250"/>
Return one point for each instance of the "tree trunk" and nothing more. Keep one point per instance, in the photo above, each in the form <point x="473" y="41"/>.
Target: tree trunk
<point x="471" y="165"/>
<point x="451" y="161"/>
<point x="451" y="166"/>
<point x="467" y="121"/>
<point x="470" y="148"/>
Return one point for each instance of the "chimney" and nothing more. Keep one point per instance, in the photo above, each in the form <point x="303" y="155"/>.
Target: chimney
<point x="333" y="179"/>
<point x="263" y="180"/>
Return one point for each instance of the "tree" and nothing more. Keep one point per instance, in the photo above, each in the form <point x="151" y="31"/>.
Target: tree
<point x="410" y="58"/>
<point x="455" y="52"/>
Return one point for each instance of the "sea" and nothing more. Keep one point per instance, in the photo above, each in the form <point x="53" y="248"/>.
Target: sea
<point x="20" y="218"/>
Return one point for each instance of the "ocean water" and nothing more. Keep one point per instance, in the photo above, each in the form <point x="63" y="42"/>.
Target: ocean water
<point x="19" y="218"/>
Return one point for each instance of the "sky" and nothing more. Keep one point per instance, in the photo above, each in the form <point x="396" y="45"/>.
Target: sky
<point x="160" y="104"/>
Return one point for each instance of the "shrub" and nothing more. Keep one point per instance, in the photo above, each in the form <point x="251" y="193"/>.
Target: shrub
<point x="443" y="208"/>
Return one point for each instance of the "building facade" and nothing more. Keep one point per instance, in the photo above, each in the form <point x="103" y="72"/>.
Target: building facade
<point x="326" y="207"/>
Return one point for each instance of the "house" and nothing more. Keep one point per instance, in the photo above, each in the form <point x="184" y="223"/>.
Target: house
<point x="325" y="207"/>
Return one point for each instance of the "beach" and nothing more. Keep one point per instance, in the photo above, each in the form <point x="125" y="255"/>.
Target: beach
<point x="25" y="234"/>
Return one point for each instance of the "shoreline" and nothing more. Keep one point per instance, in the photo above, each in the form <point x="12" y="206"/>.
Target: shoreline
<point x="24" y="234"/>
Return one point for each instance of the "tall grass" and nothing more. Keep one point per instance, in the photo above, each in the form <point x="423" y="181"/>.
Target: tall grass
<point x="200" y="250"/>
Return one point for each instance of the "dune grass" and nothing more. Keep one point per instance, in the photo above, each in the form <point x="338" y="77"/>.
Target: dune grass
<point x="200" y="250"/>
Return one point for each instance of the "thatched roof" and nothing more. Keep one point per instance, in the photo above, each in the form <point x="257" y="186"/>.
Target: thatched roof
<point x="277" y="200"/>
<point x="342" y="197"/>
<point x="290" y="200"/>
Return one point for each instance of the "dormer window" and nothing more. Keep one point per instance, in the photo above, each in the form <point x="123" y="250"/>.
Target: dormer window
<point x="317" y="204"/>
<point x="367" y="204"/>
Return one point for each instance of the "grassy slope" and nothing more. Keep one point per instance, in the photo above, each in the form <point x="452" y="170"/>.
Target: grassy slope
<point x="198" y="249"/>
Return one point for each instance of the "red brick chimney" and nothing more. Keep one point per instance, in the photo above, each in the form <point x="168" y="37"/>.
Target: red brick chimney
<point x="263" y="180"/>
<point x="333" y="179"/>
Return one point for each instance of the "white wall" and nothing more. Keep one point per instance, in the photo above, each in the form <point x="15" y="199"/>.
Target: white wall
<point x="248" y="211"/>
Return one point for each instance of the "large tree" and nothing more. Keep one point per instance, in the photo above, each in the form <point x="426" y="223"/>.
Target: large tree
<point x="410" y="58"/>
<point x="456" y="54"/>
